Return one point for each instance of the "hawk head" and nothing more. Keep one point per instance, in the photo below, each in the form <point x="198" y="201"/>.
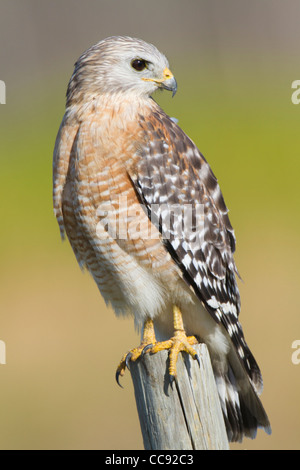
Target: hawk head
<point x="120" y="65"/>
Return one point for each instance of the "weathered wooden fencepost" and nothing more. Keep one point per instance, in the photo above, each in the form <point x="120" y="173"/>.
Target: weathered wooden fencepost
<point x="185" y="415"/>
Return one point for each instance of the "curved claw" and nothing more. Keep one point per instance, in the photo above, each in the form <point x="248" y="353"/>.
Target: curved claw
<point x="118" y="373"/>
<point x="146" y="348"/>
<point x="197" y="359"/>
<point x="128" y="359"/>
<point x="172" y="380"/>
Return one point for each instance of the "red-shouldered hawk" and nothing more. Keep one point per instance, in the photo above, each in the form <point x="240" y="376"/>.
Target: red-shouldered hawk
<point x="145" y="215"/>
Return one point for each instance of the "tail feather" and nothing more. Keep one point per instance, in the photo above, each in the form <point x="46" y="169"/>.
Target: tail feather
<point x="242" y="409"/>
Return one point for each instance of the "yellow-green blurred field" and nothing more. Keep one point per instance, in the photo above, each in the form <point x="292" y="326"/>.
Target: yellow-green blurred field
<point x="57" y="390"/>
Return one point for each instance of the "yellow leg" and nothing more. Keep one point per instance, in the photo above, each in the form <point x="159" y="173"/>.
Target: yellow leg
<point x="179" y="342"/>
<point x="148" y="341"/>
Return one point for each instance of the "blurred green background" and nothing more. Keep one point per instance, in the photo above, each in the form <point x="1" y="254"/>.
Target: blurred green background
<point x="234" y="61"/>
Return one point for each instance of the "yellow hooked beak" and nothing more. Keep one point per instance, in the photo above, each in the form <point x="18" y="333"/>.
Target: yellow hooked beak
<point x="168" y="81"/>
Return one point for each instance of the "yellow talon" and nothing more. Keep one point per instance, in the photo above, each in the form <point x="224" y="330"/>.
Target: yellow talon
<point x="132" y="355"/>
<point x="179" y="342"/>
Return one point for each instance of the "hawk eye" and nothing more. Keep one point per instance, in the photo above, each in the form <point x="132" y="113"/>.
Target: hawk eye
<point x="139" y="64"/>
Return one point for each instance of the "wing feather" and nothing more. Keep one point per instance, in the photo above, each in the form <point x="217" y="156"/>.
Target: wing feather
<point x="183" y="199"/>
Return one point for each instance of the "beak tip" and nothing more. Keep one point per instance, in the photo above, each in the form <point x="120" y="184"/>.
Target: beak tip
<point x="170" y="85"/>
